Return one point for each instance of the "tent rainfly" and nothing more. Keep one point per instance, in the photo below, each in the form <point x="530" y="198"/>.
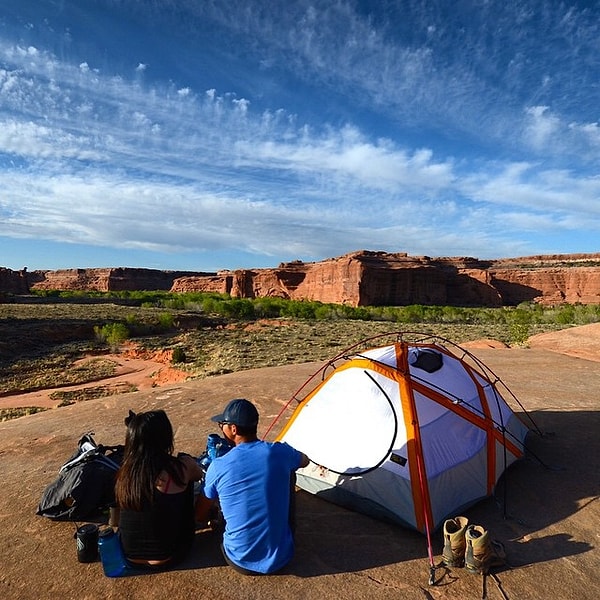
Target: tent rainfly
<point x="407" y="432"/>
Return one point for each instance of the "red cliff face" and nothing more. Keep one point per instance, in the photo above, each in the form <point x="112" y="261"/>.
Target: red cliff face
<point x="220" y="283"/>
<point x="367" y="278"/>
<point x="105" y="280"/>
<point x="13" y="282"/>
<point x="362" y="278"/>
<point x="549" y="286"/>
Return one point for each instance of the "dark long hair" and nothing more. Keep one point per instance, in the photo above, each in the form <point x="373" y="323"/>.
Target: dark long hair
<point x="148" y="451"/>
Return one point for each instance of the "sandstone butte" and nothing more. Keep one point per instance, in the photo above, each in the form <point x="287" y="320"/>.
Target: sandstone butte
<point x="361" y="278"/>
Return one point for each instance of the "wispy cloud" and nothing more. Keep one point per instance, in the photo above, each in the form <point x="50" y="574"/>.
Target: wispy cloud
<point x="548" y="134"/>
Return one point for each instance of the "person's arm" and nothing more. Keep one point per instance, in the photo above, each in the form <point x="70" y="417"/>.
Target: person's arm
<point x="293" y="453"/>
<point x="304" y="460"/>
<point x="210" y="488"/>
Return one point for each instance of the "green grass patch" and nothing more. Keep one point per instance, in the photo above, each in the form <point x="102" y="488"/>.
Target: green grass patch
<point x="6" y="414"/>
<point x="68" y="397"/>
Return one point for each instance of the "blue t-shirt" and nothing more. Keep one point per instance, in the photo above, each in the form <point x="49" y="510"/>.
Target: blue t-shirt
<point x="252" y="482"/>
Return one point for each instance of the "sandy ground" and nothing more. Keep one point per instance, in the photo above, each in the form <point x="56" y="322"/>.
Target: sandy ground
<point x="548" y="517"/>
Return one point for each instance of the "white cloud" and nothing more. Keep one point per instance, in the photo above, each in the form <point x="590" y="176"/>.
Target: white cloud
<point x="591" y="132"/>
<point x="29" y="140"/>
<point x="346" y="155"/>
<point x="529" y="188"/>
<point x="542" y="127"/>
<point x="548" y="134"/>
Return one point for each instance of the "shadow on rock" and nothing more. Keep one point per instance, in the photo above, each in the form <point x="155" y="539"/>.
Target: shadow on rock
<point x="557" y="479"/>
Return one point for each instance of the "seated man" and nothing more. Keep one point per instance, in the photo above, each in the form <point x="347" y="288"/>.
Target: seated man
<point x="252" y="484"/>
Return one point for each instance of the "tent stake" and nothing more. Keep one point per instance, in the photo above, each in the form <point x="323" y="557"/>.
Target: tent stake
<point x="431" y="574"/>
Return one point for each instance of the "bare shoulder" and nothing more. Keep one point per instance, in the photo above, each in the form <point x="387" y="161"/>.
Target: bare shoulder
<point x="192" y="469"/>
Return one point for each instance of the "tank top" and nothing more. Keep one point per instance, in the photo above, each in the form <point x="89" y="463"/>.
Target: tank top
<point x="163" y="529"/>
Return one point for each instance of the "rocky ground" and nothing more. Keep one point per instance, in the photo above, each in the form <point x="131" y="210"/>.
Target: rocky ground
<point x="550" y="524"/>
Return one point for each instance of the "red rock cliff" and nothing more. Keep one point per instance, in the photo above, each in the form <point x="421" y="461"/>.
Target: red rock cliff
<point x="366" y="278"/>
<point x="13" y="282"/>
<point x="362" y="278"/>
<point x="105" y="280"/>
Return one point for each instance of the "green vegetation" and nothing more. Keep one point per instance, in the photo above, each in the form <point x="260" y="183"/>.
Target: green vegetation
<point x="113" y="334"/>
<point x="71" y="397"/>
<point x="178" y="355"/>
<point x="170" y="317"/>
<point x="14" y="413"/>
<point x="269" y="308"/>
<point x="553" y="264"/>
<point x="62" y="366"/>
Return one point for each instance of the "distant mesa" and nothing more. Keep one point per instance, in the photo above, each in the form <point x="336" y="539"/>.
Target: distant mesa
<point x="361" y="278"/>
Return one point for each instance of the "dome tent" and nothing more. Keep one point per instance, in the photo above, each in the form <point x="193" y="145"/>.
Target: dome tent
<point x="411" y="432"/>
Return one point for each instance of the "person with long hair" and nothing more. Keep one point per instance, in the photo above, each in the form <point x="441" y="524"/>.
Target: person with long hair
<point x="154" y="493"/>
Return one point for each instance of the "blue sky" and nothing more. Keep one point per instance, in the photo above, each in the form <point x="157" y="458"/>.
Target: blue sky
<point x="220" y="134"/>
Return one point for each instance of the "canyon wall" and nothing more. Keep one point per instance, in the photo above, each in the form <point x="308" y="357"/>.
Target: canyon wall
<point x="13" y="282"/>
<point x="105" y="280"/>
<point x="362" y="278"/>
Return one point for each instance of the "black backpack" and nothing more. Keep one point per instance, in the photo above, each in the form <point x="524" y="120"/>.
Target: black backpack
<point x="85" y="487"/>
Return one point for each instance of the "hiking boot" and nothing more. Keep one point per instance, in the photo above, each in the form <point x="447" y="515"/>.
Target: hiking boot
<point x="453" y="554"/>
<point x="482" y="553"/>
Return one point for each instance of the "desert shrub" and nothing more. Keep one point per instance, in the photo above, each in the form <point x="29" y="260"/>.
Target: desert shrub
<point x="213" y="304"/>
<point x="325" y="312"/>
<point x="587" y="313"/>
<point x="520" y="315"/>
<point x="300" y="309"/>
<point x="440" y="314"/>
<point x="238" y="308"/>
<point x="166" y="320"/>
<point x="46" y="293"/>
<point x="565" y="315"/>
<point x="132" y="321"/>
<point x="176" y="303"/>
<point x="209" y="306"/>
<point x="361" y="314"/>
<point x="390" y="313"/>
<point x="411" y="314"/>
<point x="268" y="308"/>
<point x="518" y="332"/>
<point x="112" y="334"/>
<point x="178" y="355"/>
<point x="14" y="413"/>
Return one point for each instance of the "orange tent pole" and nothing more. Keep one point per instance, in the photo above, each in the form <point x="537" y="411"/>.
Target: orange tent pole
<point x="418" y="475"/>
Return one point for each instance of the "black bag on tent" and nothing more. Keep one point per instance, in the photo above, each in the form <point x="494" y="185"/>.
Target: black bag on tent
<point x="85" y="485"/>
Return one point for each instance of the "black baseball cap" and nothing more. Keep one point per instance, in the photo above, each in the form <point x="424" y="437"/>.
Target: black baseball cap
<point x="239" y="412"/>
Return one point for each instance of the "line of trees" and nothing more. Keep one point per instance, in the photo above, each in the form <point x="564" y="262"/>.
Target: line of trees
<point x="268" y="308"/>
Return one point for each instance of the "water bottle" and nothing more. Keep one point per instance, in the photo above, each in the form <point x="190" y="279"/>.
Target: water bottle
<point x="87" y="543"/>
<point x="112" y="556"/>
<point x="217" y="446"/>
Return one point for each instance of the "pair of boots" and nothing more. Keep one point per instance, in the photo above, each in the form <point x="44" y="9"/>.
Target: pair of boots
<point x="470" y="546"/>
